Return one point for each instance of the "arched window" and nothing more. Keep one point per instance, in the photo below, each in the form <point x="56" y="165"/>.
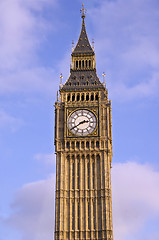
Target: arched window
<point x="77" y="145"/>
<point x="88" y="216"/>
<point x="80" y="64"/>
<point x="92" y="97"/>
<point x="73" y="97"/>
<point x="82" y="145"/>
<point x="89" y="63"/>
<point x="83" y="64"/>
<point x="78" y="212"/>
<point x="96" y="97"/>
<point x="73" y="145"/>
<point x="73" y="175"/>
<point x="78" y="97"/>
<point x="93" y="174"/>
<point x="86" y="63"/>
<point x="97" y="144"/>
<point x="78" y="175"/>
<point x="76" y="64"/>
<point x="73" y="214"/>
<point x="94" y="215"/>
<point x="68" y="145"/>
<point x="87" y="144"/>
<point x="82" y="98"/>
<point x="87" y="97"/>
<point x="68" y="97"/>
<point x="88" y="172"/>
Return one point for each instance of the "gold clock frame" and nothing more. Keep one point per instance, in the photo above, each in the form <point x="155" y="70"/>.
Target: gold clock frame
<point x="94" y="110"/>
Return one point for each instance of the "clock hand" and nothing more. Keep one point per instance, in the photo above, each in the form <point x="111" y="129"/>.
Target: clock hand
<point x="84" y="121"/>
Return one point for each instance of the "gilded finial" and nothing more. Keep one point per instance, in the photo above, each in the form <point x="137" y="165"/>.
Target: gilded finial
<point x="83" y="11"/>
<point x="104" y="79"/>
<point x="72" y="45"/>
<point x="57" y="96"/>
<point x="61" y="77"/>
<point x="93" y="44"/>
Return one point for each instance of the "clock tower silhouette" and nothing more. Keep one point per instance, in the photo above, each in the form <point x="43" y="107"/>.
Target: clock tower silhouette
<point x="83" y="145"/>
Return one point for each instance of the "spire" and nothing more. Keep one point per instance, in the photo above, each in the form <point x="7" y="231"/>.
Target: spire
<point x="83" y="45"/>
<point x="83" y="11"/>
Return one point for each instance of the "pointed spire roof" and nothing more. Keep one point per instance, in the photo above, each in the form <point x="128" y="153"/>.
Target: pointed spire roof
<point x="83" y="44"/>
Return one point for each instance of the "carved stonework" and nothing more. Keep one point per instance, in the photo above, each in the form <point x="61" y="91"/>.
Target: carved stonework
<point x="83" y="162"/>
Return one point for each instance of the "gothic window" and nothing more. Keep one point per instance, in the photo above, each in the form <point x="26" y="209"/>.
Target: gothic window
<point x="78" y="220"/>
<point x="73" y="214"/>
<point x="87" y="144"/>
<point x="83" y="64"/>
<point x="89" y="63"/>
<point x="77" y="145"/>
<point x="76" y="64"/>
<point x="82" y="98"/>
<point x="98" y="172"/>
<point x="68" y="97"/>
<point x="97" y="97"/>
<point x="88" y="173"/>
<point x="86" y="63"/>
<point x="73" y="175"/>
<point x="68" y="145"/>
<point x="78" y="175"/>
<point x="78" y="97"/>
<point x="82" y="145"/>
<point x="87" y="97"/>
<point x="73" y="97"/>
<point x="92" y="144"/>
<point x="92" y="97"/>
<point x="97" y="144"/>
<point x="88" y="216"/>
<point x="87" y="83"/>
<point x="80" y="64"/>
<point x="94" y="215"/>
<point x="93" y="174"/>
<point x="73" y="145"/>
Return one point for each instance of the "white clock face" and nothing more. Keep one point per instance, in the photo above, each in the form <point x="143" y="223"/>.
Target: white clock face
<point x="82" y="122"/>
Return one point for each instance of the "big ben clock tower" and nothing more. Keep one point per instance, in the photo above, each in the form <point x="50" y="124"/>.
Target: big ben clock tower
<point x="83" y="140"/>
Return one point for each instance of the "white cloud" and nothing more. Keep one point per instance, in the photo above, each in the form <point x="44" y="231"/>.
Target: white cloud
<point x="37" y="79"/>
<point x="48" y="159"/>
<point x="12" y="123"/>
<point x="145" y="88"/>
<point x="127" y="36"/>
<point x="22" y="29"/>
<point x="135" y="201"/>
<point x="33" y="210"/>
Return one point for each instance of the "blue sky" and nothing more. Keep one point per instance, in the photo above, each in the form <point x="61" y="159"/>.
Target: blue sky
<point x="35" y="47"/>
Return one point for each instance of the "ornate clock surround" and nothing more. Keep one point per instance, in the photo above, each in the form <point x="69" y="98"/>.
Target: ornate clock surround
<point x="70" y="110"/>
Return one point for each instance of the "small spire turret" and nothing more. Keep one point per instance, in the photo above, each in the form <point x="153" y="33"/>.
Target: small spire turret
<point x="61" y="77"/>
<point x="104" y="83"/>
<point x="83" y="11"/>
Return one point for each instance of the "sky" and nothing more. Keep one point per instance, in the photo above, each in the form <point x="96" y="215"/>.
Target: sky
<point x="35" y="48"/>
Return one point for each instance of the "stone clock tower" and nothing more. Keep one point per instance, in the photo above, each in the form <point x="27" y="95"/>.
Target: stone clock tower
<point x="83" y="140"/>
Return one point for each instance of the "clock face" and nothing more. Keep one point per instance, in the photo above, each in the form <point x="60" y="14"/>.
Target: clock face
<point x="82" y="122"/>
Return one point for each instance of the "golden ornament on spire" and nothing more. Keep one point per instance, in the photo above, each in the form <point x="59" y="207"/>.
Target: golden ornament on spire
<point x="83" y="11"/>
<point x="61" y="77"/>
